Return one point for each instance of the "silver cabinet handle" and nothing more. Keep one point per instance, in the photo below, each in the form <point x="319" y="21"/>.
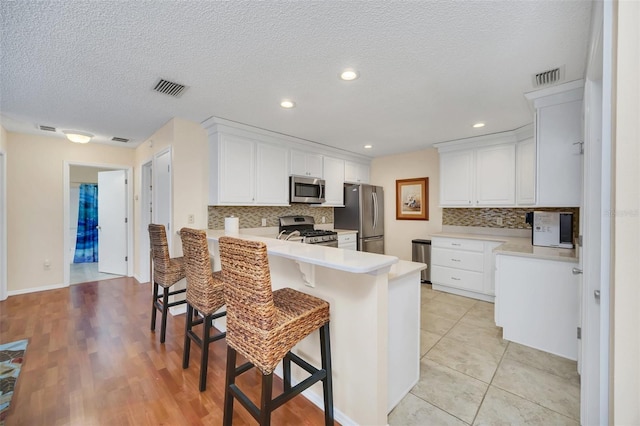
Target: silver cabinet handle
<point x="596" y="294"/>
<point x="456" y="244"/>
<point x="576" y="271"/>
<point x="455" y="260"/>
<point x="455" y="279"/>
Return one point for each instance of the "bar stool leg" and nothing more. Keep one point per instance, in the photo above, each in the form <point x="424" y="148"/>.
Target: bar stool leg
<point x="286" y="371"/>
<point x="229" y="381"/>
<point x="187" y="341"/>
<point x="265" y="400"/>
<point x="204" y="361"/>
<point x="165" y="304"/>
<point x="327" y="382"/>
<point x="153" y="306"/>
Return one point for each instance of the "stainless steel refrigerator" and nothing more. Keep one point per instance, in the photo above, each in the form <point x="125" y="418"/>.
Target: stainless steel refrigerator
<point x="364" y="212"/>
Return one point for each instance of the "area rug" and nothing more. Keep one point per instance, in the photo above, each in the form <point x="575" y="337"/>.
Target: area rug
<point x="11" y="355"/>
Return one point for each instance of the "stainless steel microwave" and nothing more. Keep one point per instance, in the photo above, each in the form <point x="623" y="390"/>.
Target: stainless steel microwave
<point x="306" y="190"/>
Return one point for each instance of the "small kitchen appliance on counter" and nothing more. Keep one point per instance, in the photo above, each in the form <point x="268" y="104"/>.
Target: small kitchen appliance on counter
<point x="305" y="226"/>
<point x="551" y="229"/>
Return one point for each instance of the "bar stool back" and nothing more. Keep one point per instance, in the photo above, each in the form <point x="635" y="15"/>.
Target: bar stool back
<point x="166" y="272"/>
<point x="264" y="325"/>
<point x="204" y="296"/>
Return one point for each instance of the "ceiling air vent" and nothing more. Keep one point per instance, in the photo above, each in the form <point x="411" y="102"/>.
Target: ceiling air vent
<point x="46" y="128"/>
<point x="549" y="77"/>
<point x="116" y="139"/>
<point x="169" y="88"/>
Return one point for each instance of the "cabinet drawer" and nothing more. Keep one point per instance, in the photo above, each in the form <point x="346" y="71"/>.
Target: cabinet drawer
<point x="346" y="238"/>
<point x="467" y="280"/>
<point x="458" y="244"/>
<point x="469" y="260"/>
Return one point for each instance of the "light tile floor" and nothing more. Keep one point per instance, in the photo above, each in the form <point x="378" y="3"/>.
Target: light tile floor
<point x="85" y="272"/>
<point x="469" y="375"/>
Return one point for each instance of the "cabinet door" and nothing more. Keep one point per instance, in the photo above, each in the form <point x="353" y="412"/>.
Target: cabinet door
<point x="272" y="175"/>
<point x="456" y="172"/>
<point x="526" y="172"/>
<point x="334" y="181"/>
<point x="558" y="128"/>
<point x="237" y="170"/>
<point x="306" y="164"/>
<point x="496" y="175"/>
<point x="356" y="172"/>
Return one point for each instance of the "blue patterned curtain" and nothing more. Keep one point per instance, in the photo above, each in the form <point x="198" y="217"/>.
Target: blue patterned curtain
<point x="87" y="238"/>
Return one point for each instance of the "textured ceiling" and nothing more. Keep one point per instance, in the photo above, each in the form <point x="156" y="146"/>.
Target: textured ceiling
<point x="428" y="69"/>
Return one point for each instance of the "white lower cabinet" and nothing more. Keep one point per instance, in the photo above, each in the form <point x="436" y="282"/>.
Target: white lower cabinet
<point x="348" y="241"/>
<point x="463" y="266"/>
<point x="537" y="303"/>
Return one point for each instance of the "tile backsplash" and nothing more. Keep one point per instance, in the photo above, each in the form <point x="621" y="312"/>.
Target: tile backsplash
<point x="512" y="218"/>
<point x="251" y="217"/>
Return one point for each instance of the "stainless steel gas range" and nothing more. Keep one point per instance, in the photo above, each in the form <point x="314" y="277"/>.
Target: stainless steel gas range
<point x="302" y="228"/>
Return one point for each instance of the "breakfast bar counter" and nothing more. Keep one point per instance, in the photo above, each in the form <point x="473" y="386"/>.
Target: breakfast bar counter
<point x="375" y="322"/>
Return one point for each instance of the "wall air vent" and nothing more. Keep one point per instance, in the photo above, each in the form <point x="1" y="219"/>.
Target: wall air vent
<point x="116" y="139"/>
<point x="170" y="88"/>
<point x="549" y="77"/>
<point x="46" y="128"/>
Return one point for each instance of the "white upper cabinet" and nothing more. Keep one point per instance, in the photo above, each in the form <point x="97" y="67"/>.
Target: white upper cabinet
<point x="234" y="159"/>
<point x="558" y="134"/>
<point x="334" y="181"/>
<point x="526" y="172"/>
<point x="271" y="175"/>
<point x="356" y="172"/>
<point x="306" y="164"/>
<point x="495" y="175"/>
<point x="456" y="174"/>
<point x="246" y="172"/>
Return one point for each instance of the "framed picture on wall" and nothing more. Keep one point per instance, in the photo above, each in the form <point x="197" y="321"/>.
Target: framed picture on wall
<point x="412" y="199"/>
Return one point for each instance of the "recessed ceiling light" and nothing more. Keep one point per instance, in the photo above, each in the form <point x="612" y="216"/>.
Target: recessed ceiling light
<point x="368" y="146"/>
<point x="349" y="74"/>
<point x="287" y="104"/>
<point x="478" y="125"/>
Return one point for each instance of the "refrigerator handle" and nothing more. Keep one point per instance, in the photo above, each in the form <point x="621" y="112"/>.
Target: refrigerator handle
<point x="375" y="209"/>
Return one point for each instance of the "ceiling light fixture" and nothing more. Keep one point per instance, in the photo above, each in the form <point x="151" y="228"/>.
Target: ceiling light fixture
<point x="349" y="74"/>
<point x="287" y="104"/>
<point x="478" y="125"/>
<point x="77" y="137"/>
<point x="368" y="146"/>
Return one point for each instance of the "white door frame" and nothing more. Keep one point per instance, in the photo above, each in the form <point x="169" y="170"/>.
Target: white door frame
<point x="3" y="225"/>
<point x="67" y="243"/>
<point x="146" y="199"/>
<point x="156" y="191"/>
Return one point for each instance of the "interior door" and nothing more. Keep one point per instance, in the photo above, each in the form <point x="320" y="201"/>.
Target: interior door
<point x="112" y="222"/>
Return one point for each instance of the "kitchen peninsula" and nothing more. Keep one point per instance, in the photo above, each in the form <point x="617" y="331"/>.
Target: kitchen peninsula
<point x="375" y="321"/>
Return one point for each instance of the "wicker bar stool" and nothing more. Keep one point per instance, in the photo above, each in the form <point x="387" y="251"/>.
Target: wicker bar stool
<point x="204" y="295"/>
<point x="166" y="272"/>
<point x="264" y="325"/>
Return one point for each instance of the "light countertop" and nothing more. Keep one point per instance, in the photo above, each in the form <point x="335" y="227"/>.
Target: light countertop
<point x="517" y="246"/>
<point x="404" y="267"/>
<point x="330" y="257"/>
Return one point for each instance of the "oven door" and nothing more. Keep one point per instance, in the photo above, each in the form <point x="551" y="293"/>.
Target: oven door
<point x="333" y="243"/>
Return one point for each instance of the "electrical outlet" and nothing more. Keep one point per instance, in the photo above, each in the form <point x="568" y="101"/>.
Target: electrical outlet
<point x="499" y="221"/>
<point x="264" y="221"/>
<point x="190" y="219"/>
<point x="47" y="264"/>
<point x="324" y="219"/>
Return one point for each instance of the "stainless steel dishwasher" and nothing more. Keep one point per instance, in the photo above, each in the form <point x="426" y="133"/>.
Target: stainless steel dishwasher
<point x="421" y="252"/>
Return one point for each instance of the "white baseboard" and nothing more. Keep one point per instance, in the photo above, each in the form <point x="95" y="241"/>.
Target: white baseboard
<point x="178" y="310"/>
<point x="35" y="289"/>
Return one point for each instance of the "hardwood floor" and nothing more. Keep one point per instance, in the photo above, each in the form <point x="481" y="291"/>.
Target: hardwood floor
<point x="92" y="360"/>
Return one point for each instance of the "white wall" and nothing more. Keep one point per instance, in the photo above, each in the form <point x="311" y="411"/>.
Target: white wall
<point x="190" y="169"/>
<point x="384" y="172"/>
<point x="35" y="204"/>
<point x="625" y="376"/>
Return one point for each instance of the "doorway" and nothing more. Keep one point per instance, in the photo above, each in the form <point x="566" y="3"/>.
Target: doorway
<point x="74" y="175"/>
